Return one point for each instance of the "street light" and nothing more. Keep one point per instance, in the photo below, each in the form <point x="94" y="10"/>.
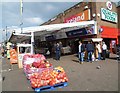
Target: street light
<point x="3" y="35"/>
<point x="6" y="33"/>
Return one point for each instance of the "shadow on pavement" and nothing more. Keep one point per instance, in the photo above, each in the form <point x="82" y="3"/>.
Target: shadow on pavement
<point x="3" y="78"/>
<point x="75" y="61"/>
<point x="113" y="58"/>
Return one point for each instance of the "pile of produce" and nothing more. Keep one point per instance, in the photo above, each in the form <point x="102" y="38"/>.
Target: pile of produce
<point x="13" y="56"/>
<point x="35" y="63"/>
<point x="48" y="77"/>
<point x="41" y="73"/>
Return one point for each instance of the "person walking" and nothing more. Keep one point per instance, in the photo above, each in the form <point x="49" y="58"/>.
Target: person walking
<point x="57" y="51"/>
<point x="61" y="48"/>
<point x="90" y="51"/>
<point x="104" y="48"/>
<point x="81" y="52"/>
<point x="99" y="51"/>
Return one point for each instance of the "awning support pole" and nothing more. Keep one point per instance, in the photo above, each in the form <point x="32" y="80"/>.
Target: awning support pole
<point x="95" y="27"/>
<point x="32" y="42"/>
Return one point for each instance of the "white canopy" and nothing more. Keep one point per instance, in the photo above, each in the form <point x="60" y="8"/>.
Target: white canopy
<point x="97" y="39"/>
<point x="45" y="29"/>
<point x="54" y="27"/>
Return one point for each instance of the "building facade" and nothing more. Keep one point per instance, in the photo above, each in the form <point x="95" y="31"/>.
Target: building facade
<point x="104" y="13"/>
<point x="118" y="8"/>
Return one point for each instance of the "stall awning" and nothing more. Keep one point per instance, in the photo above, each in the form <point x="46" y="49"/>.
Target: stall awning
<point x="97" y="39"/>
<point x="109" y="32"/>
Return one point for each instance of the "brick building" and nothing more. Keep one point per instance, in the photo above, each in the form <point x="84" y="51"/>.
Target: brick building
<point x="105" y="13"/>
<point x="118" y="8"/>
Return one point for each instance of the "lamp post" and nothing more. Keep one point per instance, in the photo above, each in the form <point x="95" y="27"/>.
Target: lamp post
<point x="6" y="33"/>
<point x="3" y="35"/>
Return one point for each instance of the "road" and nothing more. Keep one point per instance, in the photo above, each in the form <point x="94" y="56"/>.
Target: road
<point x="82" y="77"/>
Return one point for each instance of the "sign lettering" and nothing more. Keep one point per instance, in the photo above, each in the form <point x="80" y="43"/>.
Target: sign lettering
<point x="108" y="15"/>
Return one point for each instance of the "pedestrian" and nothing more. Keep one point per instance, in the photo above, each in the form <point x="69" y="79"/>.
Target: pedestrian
<point x="96" y="52"/>
<point x="81" y="52"/>
<point x="57" y="51"/>
<point x="8" y="59"/>
<point x="104" y="48"/>
<point x="99" y="51"/>
<point x="90" y="50"/>
<point x="2" y="52"/>
<point x="61" y="48"/>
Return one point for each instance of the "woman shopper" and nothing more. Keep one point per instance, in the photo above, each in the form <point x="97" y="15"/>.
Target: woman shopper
<point x="99" y="51"/>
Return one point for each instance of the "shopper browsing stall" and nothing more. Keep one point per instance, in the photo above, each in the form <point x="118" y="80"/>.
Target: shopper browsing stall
<point x="57" y="51"/>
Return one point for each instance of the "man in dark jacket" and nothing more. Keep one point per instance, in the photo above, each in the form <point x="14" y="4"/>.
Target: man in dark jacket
<point x="90" y="50"/>
<point x="57" y="51"/>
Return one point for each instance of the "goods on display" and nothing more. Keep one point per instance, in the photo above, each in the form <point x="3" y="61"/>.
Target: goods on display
<point x="13" y="56"/>
<point x="41" y="73"/>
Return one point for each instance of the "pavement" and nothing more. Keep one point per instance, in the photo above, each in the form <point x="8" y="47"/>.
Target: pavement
<point x="82" y="77"/>
<point x="0" y="73"/>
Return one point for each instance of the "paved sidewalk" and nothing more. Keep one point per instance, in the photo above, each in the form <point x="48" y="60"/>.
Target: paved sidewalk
<point x="82" y="77"/>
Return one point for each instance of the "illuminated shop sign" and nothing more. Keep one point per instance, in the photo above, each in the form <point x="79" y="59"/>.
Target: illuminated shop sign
<point x="108" y="15"/>
<point x="83" y="16"/>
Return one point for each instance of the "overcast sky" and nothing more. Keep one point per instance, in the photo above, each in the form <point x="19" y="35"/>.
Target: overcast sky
<point x="34" y="13"/>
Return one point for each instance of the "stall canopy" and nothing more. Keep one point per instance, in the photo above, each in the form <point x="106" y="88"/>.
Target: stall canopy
<point x="46" y="29"/>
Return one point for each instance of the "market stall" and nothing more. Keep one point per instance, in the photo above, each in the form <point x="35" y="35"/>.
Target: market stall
<point x="41" y="73"/>
<point x="22" y="49"/>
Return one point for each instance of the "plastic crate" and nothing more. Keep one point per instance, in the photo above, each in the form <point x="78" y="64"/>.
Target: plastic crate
<point x="46" y="88"/>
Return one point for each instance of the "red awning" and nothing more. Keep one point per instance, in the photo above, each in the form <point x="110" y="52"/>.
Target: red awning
<point x="109" y="32"/>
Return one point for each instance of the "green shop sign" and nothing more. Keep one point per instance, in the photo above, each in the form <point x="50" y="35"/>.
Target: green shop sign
<point x="108" y="15"/>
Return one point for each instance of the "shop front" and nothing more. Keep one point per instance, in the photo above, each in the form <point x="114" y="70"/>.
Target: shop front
<point x="110" y="36"/>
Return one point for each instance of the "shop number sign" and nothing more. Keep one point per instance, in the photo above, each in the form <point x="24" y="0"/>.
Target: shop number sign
<point x="108" y="15"/>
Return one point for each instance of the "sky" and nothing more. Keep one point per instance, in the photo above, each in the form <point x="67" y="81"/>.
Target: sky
<point x="34" y="13"/>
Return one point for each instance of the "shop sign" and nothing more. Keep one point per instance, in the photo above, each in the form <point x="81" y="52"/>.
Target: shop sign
<point x="51" y="37"/>
<point x="108" y="15"/>
<point x="81" y="32"/>
<point x="83" y="16"/>
<point x="109" y="5"/>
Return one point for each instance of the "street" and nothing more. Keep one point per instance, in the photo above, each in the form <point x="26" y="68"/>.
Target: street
<point x="82" y="77"/>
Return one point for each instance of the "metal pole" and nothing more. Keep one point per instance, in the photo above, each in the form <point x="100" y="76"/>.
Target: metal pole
<point x="6" y="33"/>
<point x="95" y="27"/>
<point x="32" y="42"/>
